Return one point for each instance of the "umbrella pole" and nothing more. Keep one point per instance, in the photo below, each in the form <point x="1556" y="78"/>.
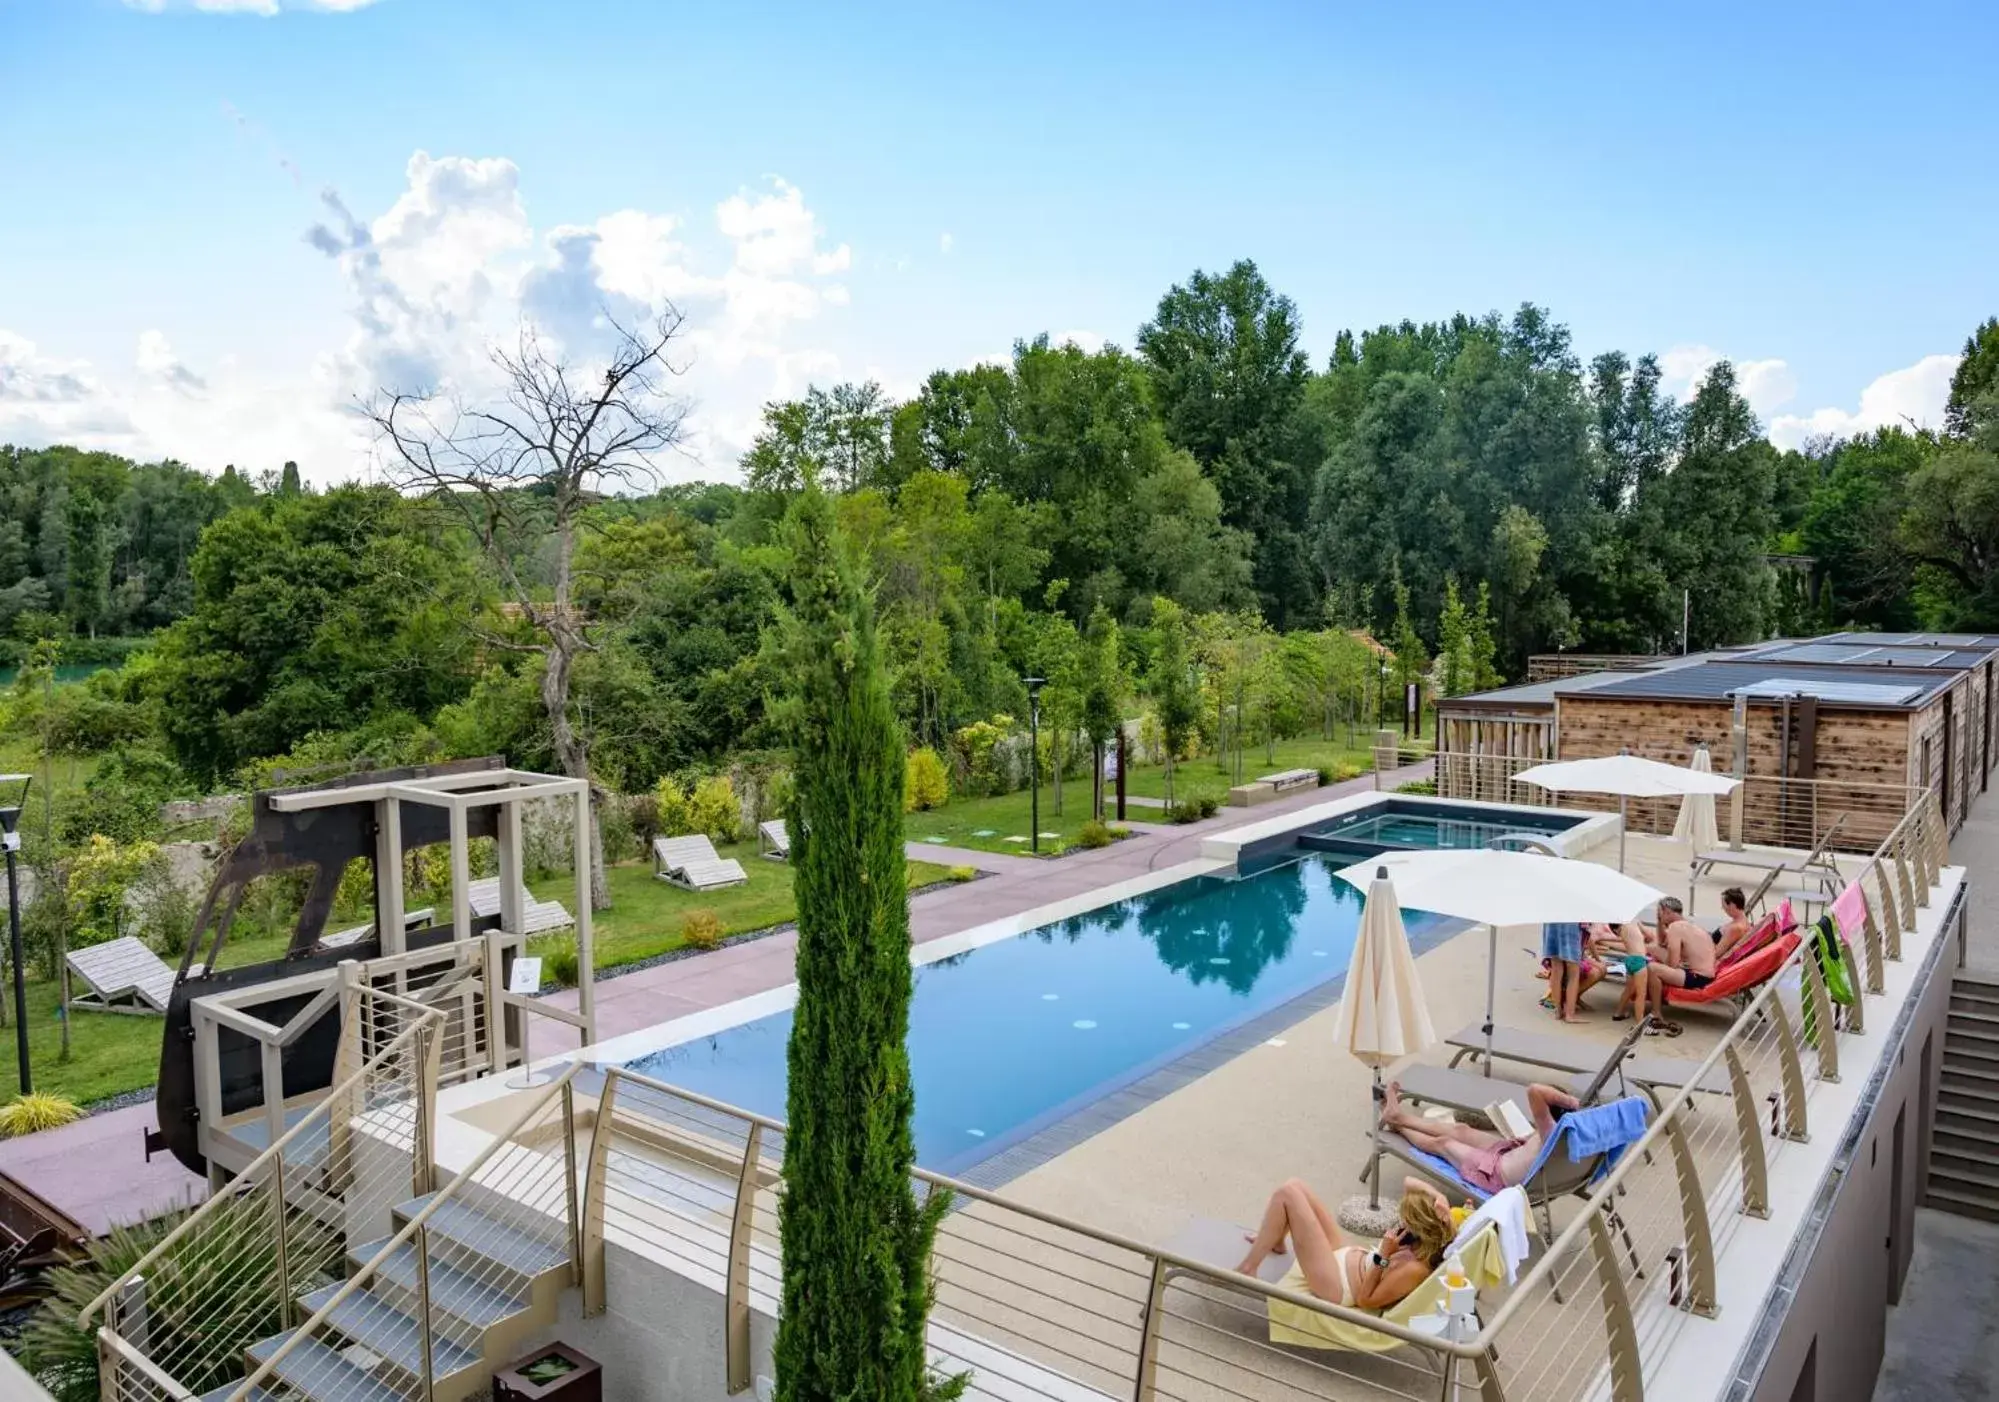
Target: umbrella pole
<point x="1491" y="989"/>
<point x="1374" y="1171"/>
<point x="1623" y="822"/>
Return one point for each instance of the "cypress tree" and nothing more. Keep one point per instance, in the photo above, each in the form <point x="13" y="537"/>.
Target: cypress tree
<point x="857" y="1285"/>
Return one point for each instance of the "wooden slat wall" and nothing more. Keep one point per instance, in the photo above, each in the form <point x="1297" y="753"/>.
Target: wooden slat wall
<point x="1863" y="747"/>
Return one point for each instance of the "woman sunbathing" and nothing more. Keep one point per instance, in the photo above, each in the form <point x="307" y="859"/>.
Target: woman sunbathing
<point x="1487" y="1161"/>
<point x="1345" y="1273"/>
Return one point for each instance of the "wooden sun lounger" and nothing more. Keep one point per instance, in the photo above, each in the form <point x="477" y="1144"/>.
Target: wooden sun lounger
<point x="776" y="839"/>
<point x="671" y="854"/>
<point x="538" y="916"/>
<point x="123" y="976"/>
<point x="708" y="876"/>
<point x="1571" y="1054"/>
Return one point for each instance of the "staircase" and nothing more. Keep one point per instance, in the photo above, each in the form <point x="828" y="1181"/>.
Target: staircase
<point x="1964" y="1143"/>
<point x="491" y="1287"/>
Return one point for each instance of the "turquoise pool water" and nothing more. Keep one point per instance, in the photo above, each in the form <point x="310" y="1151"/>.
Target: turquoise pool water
<point x="1011" y="1037"/>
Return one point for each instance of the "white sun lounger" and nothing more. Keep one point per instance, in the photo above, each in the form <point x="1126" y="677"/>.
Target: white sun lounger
<point x="670" y="854"/>
<point x="122" y="976"/>
<point x="538" y="916"/>
<point x="709" y="876"/>
<point x="776" y="839"/>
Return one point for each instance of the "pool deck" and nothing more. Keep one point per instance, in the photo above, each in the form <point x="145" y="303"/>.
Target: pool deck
<point x="96" y="1171"/>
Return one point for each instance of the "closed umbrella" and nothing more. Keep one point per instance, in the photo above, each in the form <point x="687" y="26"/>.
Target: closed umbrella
<point x="1382" y="1016"/>
<point x="1497" y="888"/>
<point x="1627" y="776"/>
<point x="1695" y="825"/>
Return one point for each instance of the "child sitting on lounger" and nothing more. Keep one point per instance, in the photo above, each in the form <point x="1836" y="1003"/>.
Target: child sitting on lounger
<point x="1341" y="1272"/>
<point x="1487" y="1161"/>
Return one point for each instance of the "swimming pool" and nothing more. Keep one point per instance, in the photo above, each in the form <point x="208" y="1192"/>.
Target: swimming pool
<point x="1400" y="824"/>
<point x="1010" y="1037"/>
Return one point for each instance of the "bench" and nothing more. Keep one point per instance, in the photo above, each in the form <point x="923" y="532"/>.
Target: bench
<point x="1285" y="780"/>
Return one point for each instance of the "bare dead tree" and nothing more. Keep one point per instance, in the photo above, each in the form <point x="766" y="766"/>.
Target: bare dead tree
<point x="521" y="470"/>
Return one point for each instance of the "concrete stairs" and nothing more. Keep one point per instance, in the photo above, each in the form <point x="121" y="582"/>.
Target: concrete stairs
<point x="1964" y="1140"/>
<point x="491" y="1287"/>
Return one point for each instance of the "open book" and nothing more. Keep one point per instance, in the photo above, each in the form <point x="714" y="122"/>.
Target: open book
<point x="1509" y="1119"/>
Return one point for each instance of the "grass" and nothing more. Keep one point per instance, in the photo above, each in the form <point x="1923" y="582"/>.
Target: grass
<point x="961" y="821"/>
<point x="1206" y="776"/>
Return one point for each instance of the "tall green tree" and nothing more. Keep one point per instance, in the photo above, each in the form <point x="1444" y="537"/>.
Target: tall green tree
<point x="1716" y="521"/>
<point x="856" y="1283"/>
<point x="1974" y="386"/>
<point x="1176" y="695"/>
<point x="1103" y="689"/>
<point x="1229" y="380"/>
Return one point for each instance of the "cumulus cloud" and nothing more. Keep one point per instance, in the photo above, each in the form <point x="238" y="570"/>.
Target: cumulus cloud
<point x="434" y="280"/>
<point x="944" y="242"/>
<point x="1912" y="396"/>
<point x="156" y="360"/>
<point x="1767" y="384"/>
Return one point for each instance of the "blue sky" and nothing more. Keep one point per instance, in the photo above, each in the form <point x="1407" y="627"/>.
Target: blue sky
<point x="835" y="194"/>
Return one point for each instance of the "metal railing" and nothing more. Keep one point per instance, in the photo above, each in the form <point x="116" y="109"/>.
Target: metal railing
<point x="232" y="1272"/>
<point x="343" y="1202"/>
<point x="1766" y="811"/>
<point x="1034" y="1304"/>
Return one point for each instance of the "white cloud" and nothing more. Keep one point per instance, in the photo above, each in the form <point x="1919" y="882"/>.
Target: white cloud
<point x="156" y="360"/>
<point x="944" y="242"/>
<point x="1914" y="395"/>
<point x="1768" y="385"/>
<point x="437" y="278"/>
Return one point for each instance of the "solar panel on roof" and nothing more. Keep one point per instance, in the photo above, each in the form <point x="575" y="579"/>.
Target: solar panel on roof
<point x="1820" y="652"/>
<point x="1859" y="693"/>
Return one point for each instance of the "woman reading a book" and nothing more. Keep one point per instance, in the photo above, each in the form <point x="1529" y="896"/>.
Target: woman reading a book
<point x="1486" y="1160"/>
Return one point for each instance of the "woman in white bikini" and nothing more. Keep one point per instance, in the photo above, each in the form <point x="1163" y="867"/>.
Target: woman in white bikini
<point x="1341" y="1272"/>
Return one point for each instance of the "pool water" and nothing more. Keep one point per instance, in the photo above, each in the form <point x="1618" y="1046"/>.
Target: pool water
<point x="1422" y="830"/>
<point x="1015" y="1035"/>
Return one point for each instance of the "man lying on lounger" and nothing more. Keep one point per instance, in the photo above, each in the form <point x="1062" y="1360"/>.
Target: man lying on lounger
<point x="1684" y="954"/>
<point x="1735" y="922"/>
<point x="1487" y="1161"/>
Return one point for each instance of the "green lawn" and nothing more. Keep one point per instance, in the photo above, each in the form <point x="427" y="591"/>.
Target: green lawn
<point x="1205" y="776"/>
<point x="985" y="824"/>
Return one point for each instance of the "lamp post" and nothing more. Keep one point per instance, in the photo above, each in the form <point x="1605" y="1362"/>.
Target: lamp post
<point x="1381" y="696"/>
<point x="10" y="839"/>
<point x="1034" y="685"/>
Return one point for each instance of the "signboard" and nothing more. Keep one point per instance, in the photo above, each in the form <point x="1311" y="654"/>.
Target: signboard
<point x="525" y="977"/>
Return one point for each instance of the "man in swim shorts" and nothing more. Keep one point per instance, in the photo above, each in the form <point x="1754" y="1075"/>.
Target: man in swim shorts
<point x="1684" y="954"/>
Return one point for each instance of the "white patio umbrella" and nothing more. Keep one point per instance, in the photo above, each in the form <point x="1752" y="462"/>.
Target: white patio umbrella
<point x="1627" y="776"/>
<point x="1695" y="825"/>
<point x="1496" y="888"/>
<point x="1382" y="1015"/>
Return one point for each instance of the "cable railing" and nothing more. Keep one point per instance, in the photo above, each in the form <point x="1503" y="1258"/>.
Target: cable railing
<point x="233" y="1271"/>
<point x="1032" y="1304"/>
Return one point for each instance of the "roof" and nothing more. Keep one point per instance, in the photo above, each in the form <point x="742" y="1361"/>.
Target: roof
<point x="1529" y="695"/>
<point x="1869" y="688"/>
<point x="1874" y="654"/>
<point x="1976" y="642"/>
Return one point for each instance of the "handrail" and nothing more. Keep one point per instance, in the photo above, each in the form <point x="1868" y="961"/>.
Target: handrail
<point x="245" y="1181"/>
<point x="500" y="1140"/>
<point x="1184" y="1264"/>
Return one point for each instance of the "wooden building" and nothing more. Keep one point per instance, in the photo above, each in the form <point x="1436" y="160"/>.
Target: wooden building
<point x="1845" y="720"/>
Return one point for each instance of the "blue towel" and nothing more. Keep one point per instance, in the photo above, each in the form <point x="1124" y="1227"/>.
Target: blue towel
<point x="1603" y="1129"/>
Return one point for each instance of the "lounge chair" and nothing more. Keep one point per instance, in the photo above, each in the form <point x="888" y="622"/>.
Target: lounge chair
<point x="1552" y="1176"/>
<point x="122" y="976"/>
<point x="693" y="864"/>
<point x="1220" y="1244"/>
<point x="1576" y="1056"/>
<point x="1740" y="977"/>
<point x="776" y="839"/>
<point x="484" y="896"/>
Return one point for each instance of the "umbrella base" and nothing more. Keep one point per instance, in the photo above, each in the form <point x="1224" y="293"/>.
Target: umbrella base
<point x="1369" y="1224"/>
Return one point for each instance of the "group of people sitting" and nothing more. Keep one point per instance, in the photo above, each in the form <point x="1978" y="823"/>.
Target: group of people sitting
<point x="1671" y="952"/>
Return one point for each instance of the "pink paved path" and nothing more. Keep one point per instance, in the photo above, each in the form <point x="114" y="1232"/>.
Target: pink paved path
<point x="96" y="1171"/>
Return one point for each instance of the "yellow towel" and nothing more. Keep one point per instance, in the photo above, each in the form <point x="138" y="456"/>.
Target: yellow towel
<point x="1294" y="1324"/>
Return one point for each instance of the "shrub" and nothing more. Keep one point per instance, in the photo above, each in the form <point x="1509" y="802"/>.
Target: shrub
<point x="925" y="786"/>
<point x="712" y="808"/>
<point x="976" y="747"/>
<point x="702" y="929"/>
<point x="1193" y="808"/>
<point x="99" y="878"/>
<point x="642" y="809"/>
<point x="1118" y="831"/>
<point x="1094" y="834"/>
<point x="963" y="873"/>
<point x="1418" y="786"/>
<point x="167" y="909"/>
<point x="614" y="827"/>
<point x="30" y="1114"/>
<point x="558" y="959"/>
<point x="671" y="810"/>
<point x="1326" y="776"/>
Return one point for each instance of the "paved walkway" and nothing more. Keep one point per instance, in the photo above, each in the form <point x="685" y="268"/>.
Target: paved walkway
<point x="96" y="1171"/>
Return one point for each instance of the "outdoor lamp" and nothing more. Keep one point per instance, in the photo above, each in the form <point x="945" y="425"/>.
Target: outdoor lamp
<point x="1034" y="685"/>
<point x="13" y="798"/>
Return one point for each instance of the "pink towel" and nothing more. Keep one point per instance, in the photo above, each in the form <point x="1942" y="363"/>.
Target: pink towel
<point x="1849" y="911"/>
